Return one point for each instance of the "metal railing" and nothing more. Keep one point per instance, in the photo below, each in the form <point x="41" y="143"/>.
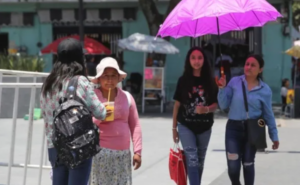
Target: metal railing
<point x="17" y="86"/>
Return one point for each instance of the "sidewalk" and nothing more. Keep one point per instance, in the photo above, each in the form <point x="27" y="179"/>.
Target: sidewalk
<point x="154" y="111"/>
<point x="277" y="168"/>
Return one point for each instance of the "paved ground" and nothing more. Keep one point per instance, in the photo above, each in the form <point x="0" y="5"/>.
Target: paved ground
<point x="278" y="168"/>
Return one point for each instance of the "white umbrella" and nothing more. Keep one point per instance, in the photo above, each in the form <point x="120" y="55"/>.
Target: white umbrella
<point x="147" y="44"/>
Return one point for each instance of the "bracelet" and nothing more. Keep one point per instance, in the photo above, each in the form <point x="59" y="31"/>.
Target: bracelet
<point x="174" y="129"/>
<point x="207" y="110"/>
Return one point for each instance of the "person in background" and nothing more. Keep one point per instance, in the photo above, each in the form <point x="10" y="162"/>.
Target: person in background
<point x="195" y="102"/>
<point x="91" y="66"/>
<point x="289" y="112"/>
<point x="238" y="150"/>
<point x="127" y="86"/>
<point x="284" y="90"/>
<point x="112" y="165"/>
<point x="70" y="63"/>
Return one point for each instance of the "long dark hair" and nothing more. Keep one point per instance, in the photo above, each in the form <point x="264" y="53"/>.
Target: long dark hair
<point x="261" y="63"/>
<point x="67" y="66"/>
<point x="209" y="84"/>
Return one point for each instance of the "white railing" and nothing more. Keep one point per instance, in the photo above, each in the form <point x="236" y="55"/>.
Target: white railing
<point x="17" y="86"/>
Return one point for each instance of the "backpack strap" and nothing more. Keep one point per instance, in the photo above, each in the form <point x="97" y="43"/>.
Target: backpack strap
<point x="72" y="87"/>
<point x="128" y="95"/>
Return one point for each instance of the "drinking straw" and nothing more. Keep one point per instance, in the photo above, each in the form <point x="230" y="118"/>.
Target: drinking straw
<point x="108" y="95"/>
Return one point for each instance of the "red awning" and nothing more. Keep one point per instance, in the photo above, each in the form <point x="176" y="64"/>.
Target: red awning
<point x="90" y="45"/>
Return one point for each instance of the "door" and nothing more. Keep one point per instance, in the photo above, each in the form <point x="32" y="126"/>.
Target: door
<point x="3" y="43"/>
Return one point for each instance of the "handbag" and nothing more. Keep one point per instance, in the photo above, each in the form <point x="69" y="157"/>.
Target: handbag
<point x="255" y="128"/>
<point x="177" y="166"/>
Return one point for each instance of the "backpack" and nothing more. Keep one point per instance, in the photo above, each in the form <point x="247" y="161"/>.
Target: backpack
<point x="75" y="136"/>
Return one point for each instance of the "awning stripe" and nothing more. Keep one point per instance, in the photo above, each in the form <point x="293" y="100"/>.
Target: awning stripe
<point x="67" y="16"/>
<point x="16" y="19"/>
<point x="90" y="15"/>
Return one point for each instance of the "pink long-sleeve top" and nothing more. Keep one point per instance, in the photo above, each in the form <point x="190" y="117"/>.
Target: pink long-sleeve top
<point x="116" y="134"/>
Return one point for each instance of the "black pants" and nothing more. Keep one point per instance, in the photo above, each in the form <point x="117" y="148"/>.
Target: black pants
<point x="283" y="100"/>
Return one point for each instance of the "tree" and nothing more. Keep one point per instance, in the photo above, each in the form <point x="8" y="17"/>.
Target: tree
<point x="296" y="15"/>
<point x="153" y="17"/>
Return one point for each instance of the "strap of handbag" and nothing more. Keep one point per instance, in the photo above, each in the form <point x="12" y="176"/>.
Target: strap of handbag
<point x="245" y="99"/>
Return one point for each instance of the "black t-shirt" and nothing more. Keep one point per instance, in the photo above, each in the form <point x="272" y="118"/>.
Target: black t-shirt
<point x="197" y="123"/>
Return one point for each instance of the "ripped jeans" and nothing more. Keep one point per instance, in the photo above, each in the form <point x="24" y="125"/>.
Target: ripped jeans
<point x="239" y="152"/>
<point x="194" y="147"/>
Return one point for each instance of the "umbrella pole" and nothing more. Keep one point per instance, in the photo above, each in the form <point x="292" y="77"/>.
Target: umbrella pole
<point x="219" y="40"/>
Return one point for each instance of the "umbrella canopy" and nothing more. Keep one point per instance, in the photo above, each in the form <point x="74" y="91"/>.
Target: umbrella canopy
<point x="195" y="18"/>
<point x="147" y="44"/>
<point x="293" y="51"/>
<point x="90" y="45"/>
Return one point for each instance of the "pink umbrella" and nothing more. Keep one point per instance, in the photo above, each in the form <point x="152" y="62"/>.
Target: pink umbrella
<point x="195" y="18"/>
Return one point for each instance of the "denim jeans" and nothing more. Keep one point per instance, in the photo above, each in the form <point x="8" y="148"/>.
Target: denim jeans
<point x="194" y="147"/>
<point x="64" y="176"/>
<point x="239" y="152"/>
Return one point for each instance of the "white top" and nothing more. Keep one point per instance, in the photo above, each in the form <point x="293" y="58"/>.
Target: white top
<point x="283" y="91"/>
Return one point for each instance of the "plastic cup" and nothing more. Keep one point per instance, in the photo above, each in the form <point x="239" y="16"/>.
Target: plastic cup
<point x="110" y="106"/>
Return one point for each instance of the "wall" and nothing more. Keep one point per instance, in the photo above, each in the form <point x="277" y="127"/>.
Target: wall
<point x="174" y="63"/>
<point x="277" y="64"/>
<point x="30" y="36"/>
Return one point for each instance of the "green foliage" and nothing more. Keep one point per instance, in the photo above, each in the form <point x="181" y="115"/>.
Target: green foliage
<point x="296" y="15"/>
<point x="23" y="63"/>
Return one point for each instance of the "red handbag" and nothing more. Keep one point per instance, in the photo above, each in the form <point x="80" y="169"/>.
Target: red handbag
<point x="177" y="166"/>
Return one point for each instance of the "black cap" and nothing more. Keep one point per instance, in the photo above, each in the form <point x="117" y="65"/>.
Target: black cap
<point x="70" y="50"/>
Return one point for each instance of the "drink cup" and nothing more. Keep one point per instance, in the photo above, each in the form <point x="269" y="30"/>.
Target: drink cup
<point x="110" y="106"/>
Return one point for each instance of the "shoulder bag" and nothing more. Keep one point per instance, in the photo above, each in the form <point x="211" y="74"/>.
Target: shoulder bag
<point x="255" y="128"/>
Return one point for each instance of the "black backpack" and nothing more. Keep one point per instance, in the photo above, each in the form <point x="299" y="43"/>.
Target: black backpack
<point x="75" y="136"/>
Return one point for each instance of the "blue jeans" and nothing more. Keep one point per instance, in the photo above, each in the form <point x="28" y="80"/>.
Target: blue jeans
<point x="64" y="176"/>
<point x="194" y="146"/>
<point x="239" y="152"/>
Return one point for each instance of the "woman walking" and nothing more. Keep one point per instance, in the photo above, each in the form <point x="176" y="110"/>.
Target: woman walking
<point x="195" y="101"/>
<point x="259" y="95"/>
<point x="70" y="63"/>
<point x="112" y="165"/>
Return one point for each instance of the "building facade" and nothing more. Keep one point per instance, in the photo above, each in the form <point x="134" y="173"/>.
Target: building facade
<point x="36" y="23"/>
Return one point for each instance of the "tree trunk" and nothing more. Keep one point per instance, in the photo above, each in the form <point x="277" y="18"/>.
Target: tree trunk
<point x="155" y="19"/>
